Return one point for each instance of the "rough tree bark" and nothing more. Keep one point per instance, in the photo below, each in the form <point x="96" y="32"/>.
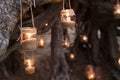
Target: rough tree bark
<point x="59" y="68"/>
<point x="9" y="12"/>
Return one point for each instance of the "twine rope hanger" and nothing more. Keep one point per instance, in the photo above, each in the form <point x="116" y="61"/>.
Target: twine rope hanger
<point x="68" y="3"/>
<point x="31" y="2"/>
<point x="21" y="14"/>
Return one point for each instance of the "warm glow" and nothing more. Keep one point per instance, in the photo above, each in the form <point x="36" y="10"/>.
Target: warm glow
<point x="29" y="62"/>
<point x="46" y="24"/>
<point x="28" y="35"/>
<point x="72" y="56"/>
<point x="119" y="61"/>
<point x="90" y="73"/>
<point x="41" y="42"/>
<point x="29" y="66"/>
<point x="117" y="9"/>
<point x="68" y="19"/>
<point x="67" y="13"/>
<point x="66" y="43"/>
<point x="85" y="38"/>
<point x="91" y="76"/>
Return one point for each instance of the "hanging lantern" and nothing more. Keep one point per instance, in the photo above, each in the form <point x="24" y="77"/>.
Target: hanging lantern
<point x="28" y="38"/>
<point x="90" y="73"/>
<point x="117" y="11"/>
<point x="41" y="42"/>
<point x="84" y="38"/>
<point x="29" y="63"/>
<point x="68" y="18"/>
<point x="56" y="1"/>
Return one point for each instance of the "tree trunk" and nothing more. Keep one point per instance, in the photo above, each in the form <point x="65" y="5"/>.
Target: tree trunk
<point x="59" y="68"/>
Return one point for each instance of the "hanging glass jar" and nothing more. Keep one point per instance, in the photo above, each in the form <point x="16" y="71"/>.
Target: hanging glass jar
<point x="28" y="34"/>
<point x="90" y="72"/>
<point x="68" y="17"/>
<point x="29" y="62"/>
<point x="28" y="38"/>
<point x="117" y="10"/>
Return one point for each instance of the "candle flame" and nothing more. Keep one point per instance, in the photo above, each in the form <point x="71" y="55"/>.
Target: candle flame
<point x="85" y="38"/>
<point x="29" y="35"/>
<point x="119" y="61"/>
<point x="72" y="56"/>
<point x="41" y="42"/>
<point x="29" y="63"/>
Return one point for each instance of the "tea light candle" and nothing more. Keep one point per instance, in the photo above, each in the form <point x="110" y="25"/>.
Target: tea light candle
<point x="90" y="75"/>
<point x="41" y="42"/>
<point x="85" y="38"/>
<point x="29" y="67"/>
<point x="72" y="56"/>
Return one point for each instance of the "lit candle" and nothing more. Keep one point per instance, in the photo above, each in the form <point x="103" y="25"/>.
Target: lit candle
<point x="85" y="38"/>
<point x="119" y="61"/>
<point x="41" y="42"/>
<point x="91" y="75"/>
<point x="68" y="19"/>
<point x="72" y="56"/>
<point x="29" y="67"/>
<point x="66" y="43"/>
<point x="29" y="35"/>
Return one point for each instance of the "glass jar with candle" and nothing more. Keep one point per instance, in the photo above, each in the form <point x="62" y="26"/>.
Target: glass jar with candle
<point x="28" y="38"/>
<point x="90" y="72"/>
<point x="29" y="62"/>
<point x="68" y="18"/>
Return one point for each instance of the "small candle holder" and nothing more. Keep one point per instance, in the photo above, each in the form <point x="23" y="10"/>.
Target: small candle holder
<point x="68" y="18"/>
<point x="41" y="43"/>
<point x="90" y="72"/>
<point x="29" y="66"/>
<point x="28" y="38"/>
<point x="29" y="62"/>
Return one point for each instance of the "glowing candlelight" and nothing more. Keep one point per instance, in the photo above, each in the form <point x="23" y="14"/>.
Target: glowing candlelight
<point x="90" y="73"/>
<point x="72" y="56"/>
<point x="68" y="19"/>
<point x="29" y="67"/>
<point x="119" y="61"/>
<point x="29" y="35"/>
<point x="85" y="38"/>
<point x="41" y="42"/>
<point x="66" y="43"/>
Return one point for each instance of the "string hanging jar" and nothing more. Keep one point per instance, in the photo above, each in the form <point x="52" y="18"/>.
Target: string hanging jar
<point x="117" y="10"/>
<point x="90" y="72"/>
<point x="68" y="17"/>
<point x="28" y="38"/>
<point x="28" y="34"/>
